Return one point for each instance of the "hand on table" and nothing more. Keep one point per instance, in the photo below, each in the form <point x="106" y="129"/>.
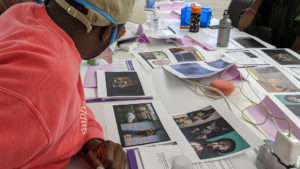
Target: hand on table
<point x="105" y="154"/>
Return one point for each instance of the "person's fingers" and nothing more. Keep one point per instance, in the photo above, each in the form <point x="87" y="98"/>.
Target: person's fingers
<point x="120" y="158"/>
<point x="106" y="150"/>
<point x="92" y="158"/>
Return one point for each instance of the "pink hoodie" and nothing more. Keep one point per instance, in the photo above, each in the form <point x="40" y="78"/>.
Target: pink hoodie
<point x="43" y="117"/>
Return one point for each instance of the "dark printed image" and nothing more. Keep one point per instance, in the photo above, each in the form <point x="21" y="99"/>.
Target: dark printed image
<point x="251" y="55"/>
<point x="249" y="42"/>
<point x="209" y="134"/>
<point x="272" y="80"/>
<point x="282" y="56"/>
<point x="155" y="59"/>
<point x="187" y="54"/>
<point x="191" y="69"/>
<point x="123" y="84"/>
<point x="292" y="102"/>
<point x="138" y="124"/>
<point x="207" y="130"/>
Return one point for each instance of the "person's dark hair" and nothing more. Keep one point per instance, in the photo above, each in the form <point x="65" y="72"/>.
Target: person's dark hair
<point x="231" y="143"/>
<point x="288" y="96"/>
<point x="46" y="2"/>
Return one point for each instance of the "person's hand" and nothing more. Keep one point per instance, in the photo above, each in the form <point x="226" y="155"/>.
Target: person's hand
<point x="246" y="20"/>
<point x="105" y="154"/>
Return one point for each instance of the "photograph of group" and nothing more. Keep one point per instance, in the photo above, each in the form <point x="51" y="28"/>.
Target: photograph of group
<point x="209" y="134"/>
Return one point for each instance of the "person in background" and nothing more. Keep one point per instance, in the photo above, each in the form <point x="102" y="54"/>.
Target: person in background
<point x="44" y="118"/>
<point x="274" y="21"/>
<point x="5" y="4"/>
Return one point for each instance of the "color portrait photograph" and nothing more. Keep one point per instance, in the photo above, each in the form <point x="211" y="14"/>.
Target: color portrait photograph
<point x="123" y="84"/>
<point x="209" y="134"/>
<point x="292" y="102"/>
<point x="155" y="59"/>
<point x="138" y="124"/>
<point x="282" y="56"/>
<point x="249" y="42"/>
<point x="186" y="54"/>
<point x="272" y="80"/>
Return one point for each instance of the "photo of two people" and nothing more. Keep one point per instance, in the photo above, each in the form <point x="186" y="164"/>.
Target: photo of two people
<point x="209" y="134"/>
<point x="138" y="124"/>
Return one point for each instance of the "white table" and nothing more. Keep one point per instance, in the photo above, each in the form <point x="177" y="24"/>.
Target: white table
<point x="176" y="95"/>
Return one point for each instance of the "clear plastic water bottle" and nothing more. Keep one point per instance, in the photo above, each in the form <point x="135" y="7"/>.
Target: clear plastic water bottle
<point x="224" y="30"/>
<point x="155" y="20"/>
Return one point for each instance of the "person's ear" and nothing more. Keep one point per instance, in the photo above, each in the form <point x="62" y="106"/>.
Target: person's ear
<point x="107" y="33"/>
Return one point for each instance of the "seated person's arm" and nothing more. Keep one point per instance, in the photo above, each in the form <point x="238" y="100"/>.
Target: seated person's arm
<point x="296" y="45"/>
<point x="247" y="18"/>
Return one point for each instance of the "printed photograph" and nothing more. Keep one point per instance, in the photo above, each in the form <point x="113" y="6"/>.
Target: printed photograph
<point x="249" y="42"/>
<point x="138" y="124"/>
<point x="282" y="56"/>
<point x="272" y="80"/>
<point x="292" y="102"/>
<point x="155" y="59"/>
<point x="123" y="84"/>
<point x="209" y="134"/>
<point x="241" y="54"/>
<point x="220" y="64"/>
<point x="187" y="54"/>
<point x="191" y="69"/>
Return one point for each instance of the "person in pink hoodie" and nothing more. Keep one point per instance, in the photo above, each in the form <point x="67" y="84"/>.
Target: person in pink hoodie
<point x="44" y="119"/>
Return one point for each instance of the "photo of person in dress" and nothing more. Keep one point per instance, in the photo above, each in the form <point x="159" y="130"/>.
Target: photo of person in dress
<point x="186" y="54"/>
<point x="292" y="102"/>
<point x="138" y="124"/>
<point x="282" y="56"/>
<point x="123" y="84"/>
<point x="272" y="80"/>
